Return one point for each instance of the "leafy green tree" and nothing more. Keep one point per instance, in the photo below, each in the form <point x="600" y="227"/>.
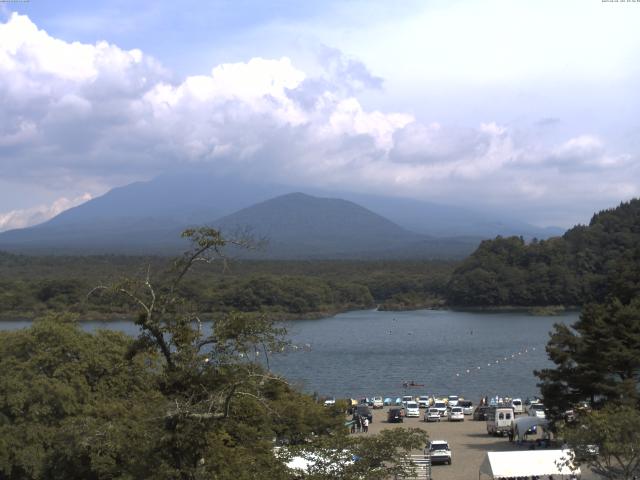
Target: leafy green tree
<point x="72" y="405"/>
<point x="380" y="456"/>
<point x="597" y="359"/>
<point x="184" y="400"/>
<point x="606" y="441"/>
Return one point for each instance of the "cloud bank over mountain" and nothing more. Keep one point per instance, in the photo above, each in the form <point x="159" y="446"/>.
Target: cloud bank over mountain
<point x="83" y="117"/>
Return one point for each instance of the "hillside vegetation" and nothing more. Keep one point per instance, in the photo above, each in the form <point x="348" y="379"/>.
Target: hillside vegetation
<point x="582" y="266"/>
<point x="30" y="286"/>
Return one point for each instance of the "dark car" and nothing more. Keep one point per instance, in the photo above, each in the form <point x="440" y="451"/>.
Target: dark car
<point x="395" y="415"/>
<point x="480" y="413"/>
<point x="364" y="412"/>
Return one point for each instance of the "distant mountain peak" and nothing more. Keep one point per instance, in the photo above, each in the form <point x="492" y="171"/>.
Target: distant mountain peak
<point x="147" y="217"/>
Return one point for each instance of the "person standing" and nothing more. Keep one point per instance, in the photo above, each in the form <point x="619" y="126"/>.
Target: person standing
<point x="365" y="425"/>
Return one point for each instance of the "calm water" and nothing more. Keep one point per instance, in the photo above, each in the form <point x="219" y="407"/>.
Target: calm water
<point x="366" y="353"/>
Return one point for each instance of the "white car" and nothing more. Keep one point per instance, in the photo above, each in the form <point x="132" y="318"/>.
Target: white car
<point x="407" y="398"/>
<point x="423" y="401"/>
<point x="411" y="409"/>
<point x="453" y="400"/>
<point x="441" y="407"/>
<point x="467" y="407"/>
<point x="329" y="402"/>
<point x="432" y="415"/>
<point x="517" y="405"/>
<point x="439" y="451"/>
<point x="537" y="410"/>
<point x="378" y="402"/>
<point x="456" y="414"/>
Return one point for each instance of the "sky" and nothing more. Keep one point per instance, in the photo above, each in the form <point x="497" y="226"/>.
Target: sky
<point x="523" y="108"/>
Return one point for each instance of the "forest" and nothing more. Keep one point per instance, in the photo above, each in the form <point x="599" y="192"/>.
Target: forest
<point x="579" y="267"/>
<point x="567" y="271"/>
<point x="31" y="285"/>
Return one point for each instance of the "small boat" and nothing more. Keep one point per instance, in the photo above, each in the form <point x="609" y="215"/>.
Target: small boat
<point x="412" y="384"/>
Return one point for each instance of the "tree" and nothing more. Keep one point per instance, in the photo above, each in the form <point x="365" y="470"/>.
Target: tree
<point x="72" y="406"/>
<point x="607" y="441"/>
<point x="597" y="359"/>
<point x="380" y="456"/>
<point x="187" y="399"/>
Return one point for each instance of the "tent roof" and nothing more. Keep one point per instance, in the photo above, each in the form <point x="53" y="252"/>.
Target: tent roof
<point x="527" y="463"/>
<point x="522" y="424"/>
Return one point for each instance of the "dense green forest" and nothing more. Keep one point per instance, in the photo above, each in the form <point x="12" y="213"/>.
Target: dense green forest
<point x="175" y="403"/>
<point x="571" y="270"/>
<point x="31" y="285"/>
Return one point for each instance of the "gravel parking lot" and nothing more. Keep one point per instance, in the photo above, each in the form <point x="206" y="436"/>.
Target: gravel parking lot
<point x="468" y="441"/>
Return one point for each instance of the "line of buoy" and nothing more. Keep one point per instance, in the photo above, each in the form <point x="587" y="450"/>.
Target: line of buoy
<point x="497" y="361"/>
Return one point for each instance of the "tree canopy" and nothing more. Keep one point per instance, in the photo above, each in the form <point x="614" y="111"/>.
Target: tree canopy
<point x="184" y="400"/>
<point x="574" y="269"/>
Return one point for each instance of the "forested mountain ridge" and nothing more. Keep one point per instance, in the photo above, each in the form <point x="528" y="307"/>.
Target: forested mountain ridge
<point x="583" y="265"/>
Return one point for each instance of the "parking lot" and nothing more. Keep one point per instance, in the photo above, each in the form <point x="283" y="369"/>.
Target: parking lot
<point x="468" y="441"/>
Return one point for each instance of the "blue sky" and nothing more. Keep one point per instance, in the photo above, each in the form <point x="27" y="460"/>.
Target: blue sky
<point x="521" y="107"/>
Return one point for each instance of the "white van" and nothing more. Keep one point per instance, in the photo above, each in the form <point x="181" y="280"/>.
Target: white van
<point x="518" y="406"/>
<point x="500" y="420"/>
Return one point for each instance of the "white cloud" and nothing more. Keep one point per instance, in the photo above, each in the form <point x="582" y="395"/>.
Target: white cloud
<point x="30" y="216"/>
<point x="78" y="112"/>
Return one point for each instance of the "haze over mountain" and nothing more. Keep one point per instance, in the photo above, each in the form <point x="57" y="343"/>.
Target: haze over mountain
<point x="149" y="216"/>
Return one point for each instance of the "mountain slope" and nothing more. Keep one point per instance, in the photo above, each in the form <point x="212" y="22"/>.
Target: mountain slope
<point x="147" y="217"/>
<point x="586" y="264"/>
<point x="301" y="225"/>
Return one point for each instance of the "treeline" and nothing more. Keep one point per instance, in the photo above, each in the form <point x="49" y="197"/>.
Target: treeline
<point x="581" y="266"/>
<point x="31" y="286"/>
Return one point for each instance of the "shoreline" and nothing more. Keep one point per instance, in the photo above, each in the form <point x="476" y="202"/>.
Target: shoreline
<point x="549" y="310"/>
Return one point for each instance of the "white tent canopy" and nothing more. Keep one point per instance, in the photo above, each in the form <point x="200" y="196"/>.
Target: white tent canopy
<point x="528" y="463"/>
<point x="522" y="424"/>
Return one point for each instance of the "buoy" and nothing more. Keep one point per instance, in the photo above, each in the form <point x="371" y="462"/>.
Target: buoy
<point x="468" y="370"/>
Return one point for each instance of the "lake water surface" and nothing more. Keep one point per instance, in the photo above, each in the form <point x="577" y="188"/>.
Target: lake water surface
<point x="367" y="353"/>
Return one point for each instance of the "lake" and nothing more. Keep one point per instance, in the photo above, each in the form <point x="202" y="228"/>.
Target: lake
<point x="367" y="353"/>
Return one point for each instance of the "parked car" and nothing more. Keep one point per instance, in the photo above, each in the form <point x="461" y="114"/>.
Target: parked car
<point x="441" y="407"/>
<point x="467" y="406"/>
<point x="395" y="415"/>
<point x="329" y="402"/>
<point x="452" y="400"/>
<point x="407" y="398"/>
<point x="364" y="412"/>
<point x="480" y="413"/>
<point x="517" y="405"/>
<point x="439" y="451"/>
<point x="537" y="410"/>
<point x="432" y="415"/>
<point x="456" y="414"/>
<point x="423" y="401"/>
<point x="378" y="402"/>
<point x="412" y="410"/>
